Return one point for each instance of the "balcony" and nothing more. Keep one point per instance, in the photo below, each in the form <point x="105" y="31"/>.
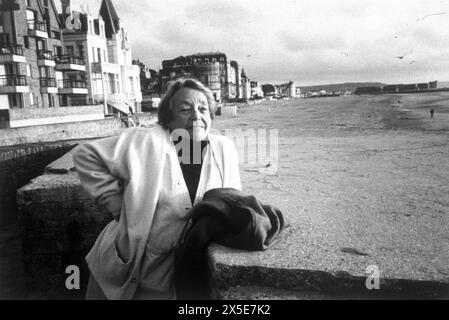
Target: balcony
<point x="10" y="5"/>
<point x="72" y="87"/>
<point x="45" y="58"/>
<point x="13" y="83"/>
<point x="67" y="62"/>
<point x="37" y="29"/>
<point x="48" y="85"/>
<point x="107" y="67"/>
<point x="12" y="53"/>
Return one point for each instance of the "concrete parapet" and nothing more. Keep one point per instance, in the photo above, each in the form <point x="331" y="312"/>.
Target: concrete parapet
<point x="61" y="131"/>
<point x="37" y="113"/>
<point x="59" y="225"/>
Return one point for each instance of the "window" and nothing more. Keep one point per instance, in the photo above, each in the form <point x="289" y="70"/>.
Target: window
<point x="31" y="98"/>
<point x="26" y="42"/>
<point x="44" y="72"/>
<point x="12" y="99"/>
<point x="28" y="3"/>
<point x="81" y="51"/>
<point x="104" y="55"/>
<point x="57" y="50"/>
<point x="69" y="50"/>
<point x="40" y="44"/>
<point x="131" y="84"/>
<point x="99" y="54"/>
<point x="51" y="100"/>
<point x="28" y="70"/>
<point x="31" y="15"/>
<point x="56" y="35"/>
<point x="15" y="100"/>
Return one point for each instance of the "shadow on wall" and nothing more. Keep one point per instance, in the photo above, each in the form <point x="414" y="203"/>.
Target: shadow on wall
<point x="18" y="165"/>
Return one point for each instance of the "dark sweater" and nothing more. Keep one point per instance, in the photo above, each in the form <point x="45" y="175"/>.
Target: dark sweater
<point x="192" y="171"/>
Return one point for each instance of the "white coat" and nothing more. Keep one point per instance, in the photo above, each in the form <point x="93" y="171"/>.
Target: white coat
<point x="137" y="175"/>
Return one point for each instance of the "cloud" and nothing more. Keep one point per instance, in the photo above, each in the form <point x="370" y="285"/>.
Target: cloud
<point x="223" y="15"/>
<point x="431" y="38"/>
<point x="301" y="40"/>
<point x="297" y="42"/>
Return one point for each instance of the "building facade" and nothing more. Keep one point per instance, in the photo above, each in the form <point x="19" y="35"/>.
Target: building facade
<point x="104" y="45"/>
<point x="245" y="86"/>
<point x="213" y="69"/>
<point x="31" y="56"/>
<point x="256" y="90"/>
<point x="51" y="60"/>
<point x="149" y="79"/>
<point x="286" y="90"/>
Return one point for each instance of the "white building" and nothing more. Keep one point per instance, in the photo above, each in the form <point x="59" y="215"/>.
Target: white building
<point x="104" y="45"/>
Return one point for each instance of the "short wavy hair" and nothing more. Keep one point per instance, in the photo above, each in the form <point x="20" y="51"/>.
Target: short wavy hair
<point x="165" y="114"/>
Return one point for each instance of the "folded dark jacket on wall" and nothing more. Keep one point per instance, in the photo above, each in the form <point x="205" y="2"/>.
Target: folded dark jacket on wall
<point x="228" y="217"/>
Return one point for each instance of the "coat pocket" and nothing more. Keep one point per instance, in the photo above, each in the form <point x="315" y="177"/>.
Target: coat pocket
<point x="112" y="265"/>
<point x="157" y="270"/>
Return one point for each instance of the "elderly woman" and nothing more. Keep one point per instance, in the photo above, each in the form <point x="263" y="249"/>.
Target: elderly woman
<point x="149" y="179"/>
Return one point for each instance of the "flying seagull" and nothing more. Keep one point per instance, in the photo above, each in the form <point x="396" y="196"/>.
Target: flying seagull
<point x="345" y="53"/>
<point x="430" y="15"/>
<point x="412" y="62"/>
<point x="403" y="56"/>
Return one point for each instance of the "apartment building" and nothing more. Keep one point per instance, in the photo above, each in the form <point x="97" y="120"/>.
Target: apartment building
<point x="213" y="69"/>
<point x="32" y="64"/>
<point x="287" y="90"/>
<point x="245" y="86"/>
<point x="256" y="90"/>
<point x="103" y="43"/>
<point x="51" y="60"/>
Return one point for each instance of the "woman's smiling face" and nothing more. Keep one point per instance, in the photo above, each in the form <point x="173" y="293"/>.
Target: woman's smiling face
<point x="190" y="111"/>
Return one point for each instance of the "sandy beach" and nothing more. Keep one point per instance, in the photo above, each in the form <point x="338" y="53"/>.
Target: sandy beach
<point x="368" y="173"/>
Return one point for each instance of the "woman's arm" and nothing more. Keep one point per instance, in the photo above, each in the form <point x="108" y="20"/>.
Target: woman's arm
<point x="102" y="170"/>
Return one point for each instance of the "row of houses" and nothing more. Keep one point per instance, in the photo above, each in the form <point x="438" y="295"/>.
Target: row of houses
<point x="399" y="88"/>
<point x="67" y="58"/>
<point x="50" y="59"/>
<point x="225" y="77"/>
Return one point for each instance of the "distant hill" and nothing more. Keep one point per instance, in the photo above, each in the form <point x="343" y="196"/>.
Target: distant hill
<point x="341" y="86"/>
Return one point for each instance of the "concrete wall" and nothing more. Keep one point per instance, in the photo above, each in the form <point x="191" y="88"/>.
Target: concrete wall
<point x="59" y="225"/>
<point x="19" y="164"/>
<point x="36" y="113"/>
<point x="62" y="131"/>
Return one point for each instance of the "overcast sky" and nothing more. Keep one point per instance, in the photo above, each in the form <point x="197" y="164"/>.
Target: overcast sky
<point x="307" y="41"/>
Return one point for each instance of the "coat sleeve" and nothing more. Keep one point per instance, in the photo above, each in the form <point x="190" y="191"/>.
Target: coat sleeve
<point x="102" y="170"/>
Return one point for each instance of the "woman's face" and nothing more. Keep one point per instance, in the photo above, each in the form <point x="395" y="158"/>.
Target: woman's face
<point x="190" y="111"/>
